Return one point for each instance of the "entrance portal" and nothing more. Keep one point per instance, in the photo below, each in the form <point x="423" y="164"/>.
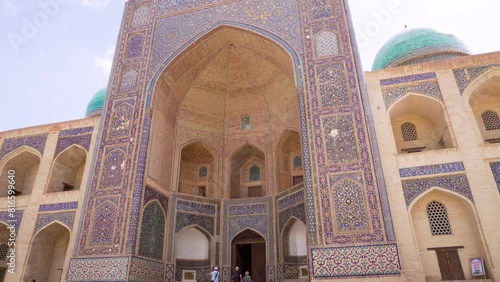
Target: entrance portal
<point x="249" y="253"/>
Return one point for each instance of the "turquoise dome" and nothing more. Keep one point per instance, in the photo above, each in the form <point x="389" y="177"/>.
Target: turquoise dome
<point x="96" y="103"/>
<point x="416" y="46"/>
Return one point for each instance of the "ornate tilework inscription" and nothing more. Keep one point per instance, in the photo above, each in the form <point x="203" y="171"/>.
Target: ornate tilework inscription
<point x="66" y="218"/>
<point x="248" y="209"/>
<point x="339" y="262"/>
<point x="145" y="270"/>
<point x="431" y="169"/>
<point x="349" y="201"/>
<point x="320" y="9"/>
<point x="186" y="219"/>
<point x="458" y="183"/>
<point x="37" y="142"/>
<point x="465" y="76"/>
<point x="340" y="139"/>
<point x="327" y="44"/>
<point x="408" y="78"/>
<point x="121" y="119"/>
<point x="495" y="168"/>
<point x="427" y="88"/>
<point x="290" y="200"/>
<point x="112" y="173"/>
<point x="134" y="47"/>
<point x="104" y="220"/>
<point x="333" y="85"/>
<point x="58" y="207"/>
<point x="129" y="81"/>
<point x="98" y="269"/>
<point x="189" y="206"/>
<point x="152" y="232"/>
<point x="238" y="224"/>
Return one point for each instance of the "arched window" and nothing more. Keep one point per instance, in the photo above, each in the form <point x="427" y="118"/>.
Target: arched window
<point x="491" y="120"/>
<point x="297" y="161"/>
<point x="438" y="219"/>
<point x="254" y="173"/>
<point x="203" y="171"/>
<point x="409" y="131"/>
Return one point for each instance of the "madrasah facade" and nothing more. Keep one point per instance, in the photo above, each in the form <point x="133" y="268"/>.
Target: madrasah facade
<point x="238" y="132"/>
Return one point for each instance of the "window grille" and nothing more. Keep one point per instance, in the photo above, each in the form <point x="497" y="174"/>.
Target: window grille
<point x="3" y="252"/>
<point x="409" y="131"/>
<point x="297" y="162"/>
<point x="254" y="173"/>
<point x="203" y="171"/>
<point x="491" y="120"/>
<point x="438" y="219"/>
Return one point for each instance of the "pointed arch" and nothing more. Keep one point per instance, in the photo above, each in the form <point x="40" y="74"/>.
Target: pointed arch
<point x="47" y="254"/>
<point x="22" y="165"/>
<point x="195" y="155"/>
<point x="67" y="169"/>
<point x="427" y="116"/>
<point x="287" y="150"/>
<point x="243" y="160"/>
<point x="192" y="243"/>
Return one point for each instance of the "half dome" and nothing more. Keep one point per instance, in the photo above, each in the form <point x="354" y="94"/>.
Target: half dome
<point x="417" y="46"/>
<point x="96" y="103"/>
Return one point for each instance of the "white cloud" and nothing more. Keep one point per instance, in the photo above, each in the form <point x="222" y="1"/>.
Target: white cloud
<point x="95" y="4"/>
<point x="104" y="62"/>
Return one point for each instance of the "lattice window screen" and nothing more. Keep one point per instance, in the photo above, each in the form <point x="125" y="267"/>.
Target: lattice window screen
<point x="409" y="131"/>
<point x="491" y="120"/>
<point x="438" y="219"/>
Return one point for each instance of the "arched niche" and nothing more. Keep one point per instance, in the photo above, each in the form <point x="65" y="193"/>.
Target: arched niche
<point x="294" y="247"/>
<point x="464" y="232"/>
<point x="193" y="252"/>
<point x="289" y="160"/>
<point x="67" y="170"/>
<point x="228" y="75"/>
<point x="47" y="254"/>
<point x="23" y="164"/>
<point x="419" y="124"/>
<point x="248" y="251"/>
<point x="484" y="101"/>
<point x="244" y="181"/>
<point x="198" y="170"/>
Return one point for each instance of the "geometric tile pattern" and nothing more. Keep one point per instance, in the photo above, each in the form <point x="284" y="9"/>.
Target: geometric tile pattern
<point x="66" y="218"/>
<point x="151" y="194"/>
<point x="408" y="78"/>
<point x="134" y="47"/>
<point x="431" y="169"/>
<point x="98" y="269"/>
<point x="332" y="85"/>
<point x="200" y="208"/>
<point x="291" y="271"/>
<point x="113" y="167"/>
<point x="247" y="209"/>
<point x="140" y="16"/>
<point x="458" y="183"/>
<point x="297" y="211"/>
<point x="327" y="43"/>
<point x="349" y="201"/>
<point x="285" y="202"/>
<point x="279" y="273"/>
<point x="320" y="9"/>
<point x="465" y="76"/>
<point x="58" y="207"/>
<point x="145" y="270"/>
<point x="495" y="168"/>
<point x="104" y="217"/>
<point x="340" y="139"/>
<point x="37" y="142"/>
<point x="76" y="136"/>
<point x="186" y="219"/>
<point x="169" y="272"/>
<point x="353" y="261"/>
<point x="256" y="222"/>
<point x="427" y="88"/>
<point x="12" y="219"/>
<point x="152" y="232"/>
<point x="270" y="274"/>
<point x="129" y="80"/>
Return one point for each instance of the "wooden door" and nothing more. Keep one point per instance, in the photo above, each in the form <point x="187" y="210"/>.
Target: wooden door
<point x="449" y="264"/>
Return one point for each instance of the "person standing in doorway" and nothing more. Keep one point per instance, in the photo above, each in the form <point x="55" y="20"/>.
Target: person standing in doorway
<point x="236" y="275"/>
<point x="247" y="277"/>
<point x="215" y="274"/>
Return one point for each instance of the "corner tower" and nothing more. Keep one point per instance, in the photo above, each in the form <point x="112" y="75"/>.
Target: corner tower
<point x="235" y="124"/>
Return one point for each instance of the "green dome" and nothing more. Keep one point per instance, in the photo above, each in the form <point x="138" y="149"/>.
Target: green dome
<point x="416" y="46"/>
<point x="96" y="103"/>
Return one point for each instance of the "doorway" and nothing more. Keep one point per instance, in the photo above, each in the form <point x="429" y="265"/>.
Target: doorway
<point x="249" y="253"/>
<point x="449" y="263"/>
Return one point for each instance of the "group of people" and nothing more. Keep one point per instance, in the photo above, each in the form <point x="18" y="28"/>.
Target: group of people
<point x="235" y="275"/>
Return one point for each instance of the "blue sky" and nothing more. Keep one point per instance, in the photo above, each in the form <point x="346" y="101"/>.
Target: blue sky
<point x="56" y="54"/>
